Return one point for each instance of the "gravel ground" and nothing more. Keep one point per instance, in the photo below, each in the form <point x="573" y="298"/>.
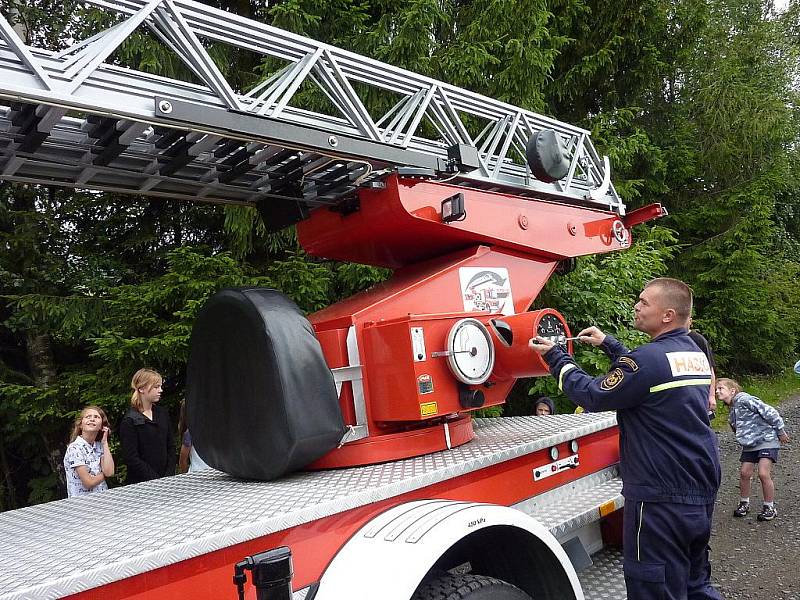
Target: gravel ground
<point x="752" y="560"/>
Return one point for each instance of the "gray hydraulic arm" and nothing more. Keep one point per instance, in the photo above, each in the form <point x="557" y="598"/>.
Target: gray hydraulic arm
<point x="70" y="118"/>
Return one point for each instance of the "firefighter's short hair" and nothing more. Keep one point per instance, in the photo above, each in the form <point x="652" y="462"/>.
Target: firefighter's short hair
<point x="675" y="294"/>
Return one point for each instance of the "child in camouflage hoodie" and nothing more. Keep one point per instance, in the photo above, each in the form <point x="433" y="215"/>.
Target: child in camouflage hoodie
<point x="760" y="430"/>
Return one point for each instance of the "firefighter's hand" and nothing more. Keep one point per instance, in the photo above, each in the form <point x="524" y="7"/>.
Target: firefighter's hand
<point x="541" y="345"/>
<point x="784" y="437"/>
<point x="592" y="335"/>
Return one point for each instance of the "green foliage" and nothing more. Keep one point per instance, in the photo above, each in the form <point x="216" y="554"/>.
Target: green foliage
<point x="351" y="278"/>
<point x="490" y="412"/>
<point x="694" y="101"/>
<point x="303" y="279"/>
<point x="772" y="389"/>
<point x="42" y="488"/>
<point x="150" y="323"/>
<point x="601" y="291"/>
<point x="733" y="210"/>
<point x="67" y="318"/>
<point x="638" y="161"/>
<point x="144" y="324"/>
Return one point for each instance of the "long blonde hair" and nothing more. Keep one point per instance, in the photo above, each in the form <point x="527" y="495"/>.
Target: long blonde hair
<point x="76" y="427"/>
<point x="143" y="378"/>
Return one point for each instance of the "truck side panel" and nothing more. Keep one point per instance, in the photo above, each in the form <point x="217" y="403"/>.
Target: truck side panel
<point x="315" y="543"/>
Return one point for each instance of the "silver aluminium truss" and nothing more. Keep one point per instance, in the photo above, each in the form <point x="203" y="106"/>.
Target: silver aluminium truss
<point x="71" y="118"/>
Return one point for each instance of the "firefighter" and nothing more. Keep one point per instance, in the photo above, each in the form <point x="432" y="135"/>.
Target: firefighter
<point x="668" y="452"/>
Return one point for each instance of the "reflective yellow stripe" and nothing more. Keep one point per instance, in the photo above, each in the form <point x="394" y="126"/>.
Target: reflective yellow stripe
<point x="564" y="369"/>
<point x="680" y="383"/>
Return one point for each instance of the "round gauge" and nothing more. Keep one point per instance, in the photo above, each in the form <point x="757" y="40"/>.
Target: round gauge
<point x="470" y="353"/>
<point x="573" y="446"/>
<point x="553" y="453"/>
<point x="552" y="328"/>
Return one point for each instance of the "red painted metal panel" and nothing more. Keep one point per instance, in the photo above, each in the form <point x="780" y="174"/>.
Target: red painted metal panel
<point x="314" y="544"/>
<point x="516" y="360"/>
<point x="395" y="446"/>
<point x="435" y="285"/>
<point x="389" y="373"/>
<point x="402" y="224"/>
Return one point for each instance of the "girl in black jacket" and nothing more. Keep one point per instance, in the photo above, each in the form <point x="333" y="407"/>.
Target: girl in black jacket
<point x="145" y="431"/>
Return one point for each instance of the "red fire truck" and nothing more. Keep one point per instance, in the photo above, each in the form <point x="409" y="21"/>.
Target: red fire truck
<point x="346" y="460"/>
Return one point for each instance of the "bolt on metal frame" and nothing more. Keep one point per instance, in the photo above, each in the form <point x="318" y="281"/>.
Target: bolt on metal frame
<point x="73" y="119"/>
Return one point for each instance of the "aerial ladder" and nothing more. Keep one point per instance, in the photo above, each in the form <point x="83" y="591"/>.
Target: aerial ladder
<point x="346" y="462"/>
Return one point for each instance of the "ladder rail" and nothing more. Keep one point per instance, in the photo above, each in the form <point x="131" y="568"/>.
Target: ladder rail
<point x="77" y="79"/>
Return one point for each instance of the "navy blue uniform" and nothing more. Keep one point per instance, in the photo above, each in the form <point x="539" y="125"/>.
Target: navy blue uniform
<point x="668" y="458"/>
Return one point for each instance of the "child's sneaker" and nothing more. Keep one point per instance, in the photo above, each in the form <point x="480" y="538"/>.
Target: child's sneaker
<point x="742" y="509"/>
<point x="767" y="513"/>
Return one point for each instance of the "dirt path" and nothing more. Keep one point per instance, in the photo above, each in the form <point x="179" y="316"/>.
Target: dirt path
<point x="752" y="560"/>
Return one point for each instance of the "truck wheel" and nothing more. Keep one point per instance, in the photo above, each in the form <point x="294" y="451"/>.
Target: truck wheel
<point x="468" y="587"/>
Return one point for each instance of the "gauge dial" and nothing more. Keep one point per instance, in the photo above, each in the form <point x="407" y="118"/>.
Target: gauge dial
<point x="470" y="353"/>
<point x="552" y="328"/>
<point x="553" y="453"/>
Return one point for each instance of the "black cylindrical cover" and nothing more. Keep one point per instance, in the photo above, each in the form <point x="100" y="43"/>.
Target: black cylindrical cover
<point x="546" y="156"/>
<point x="261" y="400"/>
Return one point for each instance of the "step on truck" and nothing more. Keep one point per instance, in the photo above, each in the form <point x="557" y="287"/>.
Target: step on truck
<point x="346" y="460"/>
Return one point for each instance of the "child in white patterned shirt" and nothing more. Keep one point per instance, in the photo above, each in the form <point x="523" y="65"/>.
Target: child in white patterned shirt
<point x="88" y="461"/>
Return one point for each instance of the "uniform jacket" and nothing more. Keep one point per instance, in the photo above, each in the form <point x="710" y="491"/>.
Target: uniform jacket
<point x="756" y="423"/>
<point x="668" y="451"/>
<point x="703" y="344"/>
<point x="147" y="445"/>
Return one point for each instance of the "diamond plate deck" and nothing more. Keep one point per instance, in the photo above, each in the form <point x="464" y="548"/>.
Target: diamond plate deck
<point x="162" y="522"/>
<point x="573" y="505"/>
<point x="604" y="579"/>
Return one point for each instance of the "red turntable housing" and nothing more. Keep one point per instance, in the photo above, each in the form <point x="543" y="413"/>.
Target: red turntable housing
<point x="448" y="332"/>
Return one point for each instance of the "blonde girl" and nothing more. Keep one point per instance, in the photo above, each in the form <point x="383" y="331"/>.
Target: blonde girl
<point x="88" y="460"/>
<point x="145" y="431"/>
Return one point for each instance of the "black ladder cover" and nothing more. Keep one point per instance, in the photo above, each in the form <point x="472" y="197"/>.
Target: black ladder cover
<point x="261" y="400"/>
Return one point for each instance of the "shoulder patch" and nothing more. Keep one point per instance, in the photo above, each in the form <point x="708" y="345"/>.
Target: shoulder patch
<point x="612" y="380"/>
<point x="629" y="362"/>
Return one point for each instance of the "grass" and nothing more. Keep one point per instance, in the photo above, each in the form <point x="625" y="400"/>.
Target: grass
<point x="772" y="389"/>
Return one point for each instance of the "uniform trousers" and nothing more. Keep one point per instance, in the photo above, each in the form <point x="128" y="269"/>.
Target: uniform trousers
<point x="665" y="549"/>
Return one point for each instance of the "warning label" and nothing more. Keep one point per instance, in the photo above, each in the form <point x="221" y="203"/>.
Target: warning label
<point x="428" y="409"/>
<point x="425" y="384"/>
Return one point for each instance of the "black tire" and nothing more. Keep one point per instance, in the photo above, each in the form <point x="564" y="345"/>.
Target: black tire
<point x="468" y="587"/>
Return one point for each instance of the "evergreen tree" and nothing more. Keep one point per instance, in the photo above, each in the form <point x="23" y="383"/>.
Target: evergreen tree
<point x="735" y="134"/>
<point x="695" y="102"/>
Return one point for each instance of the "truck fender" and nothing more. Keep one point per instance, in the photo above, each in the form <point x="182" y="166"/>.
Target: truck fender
<point x="393" y="553"/>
